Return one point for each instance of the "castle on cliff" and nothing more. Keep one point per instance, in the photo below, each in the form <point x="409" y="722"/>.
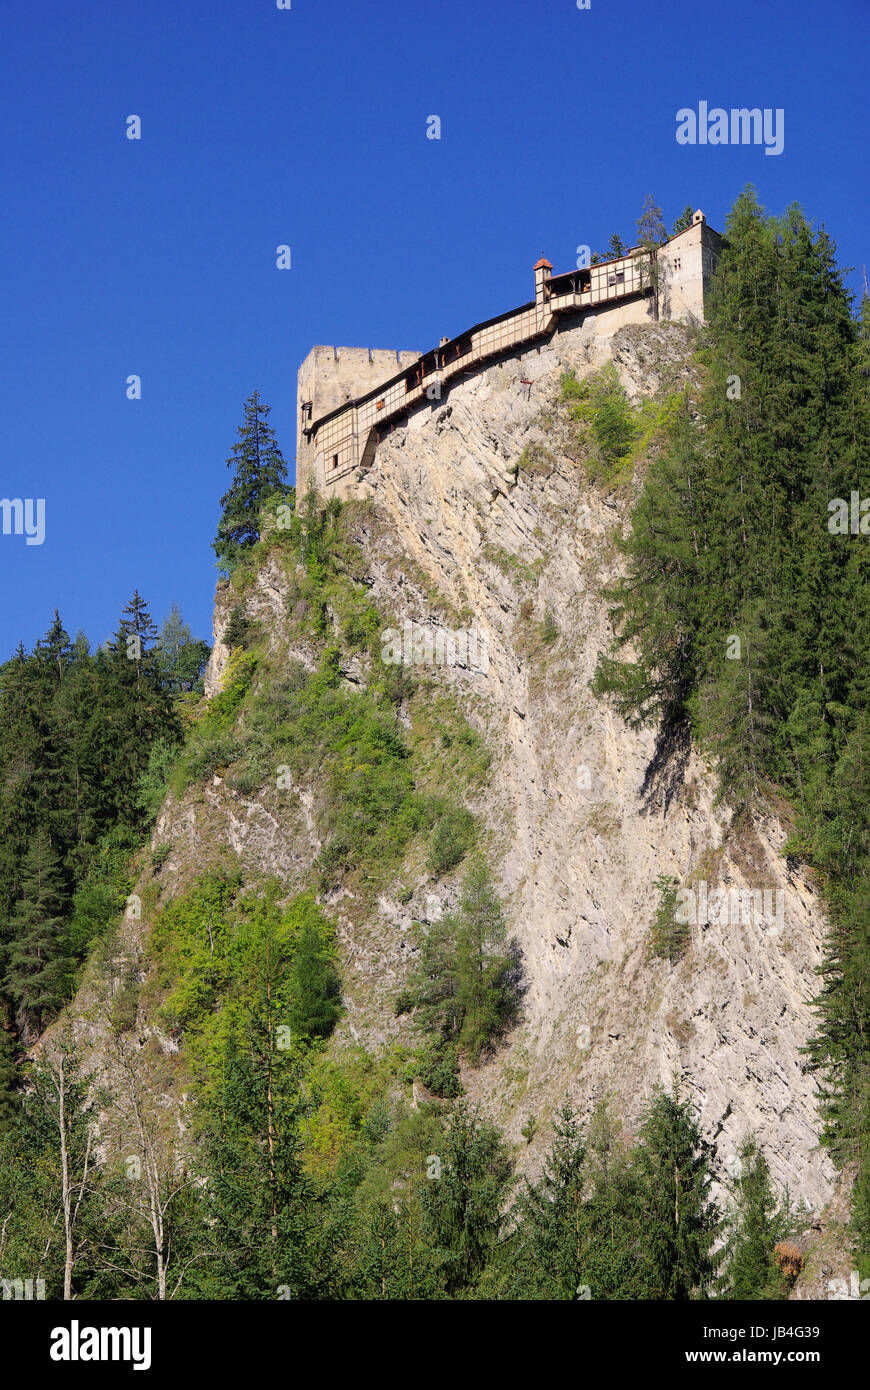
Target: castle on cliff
<point x="349" y="399"/>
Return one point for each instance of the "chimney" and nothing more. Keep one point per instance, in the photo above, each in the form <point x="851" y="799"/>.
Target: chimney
<point x="543" y="270"/>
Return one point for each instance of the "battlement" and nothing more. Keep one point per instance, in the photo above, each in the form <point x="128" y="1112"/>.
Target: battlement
<point x="348" y="399"/>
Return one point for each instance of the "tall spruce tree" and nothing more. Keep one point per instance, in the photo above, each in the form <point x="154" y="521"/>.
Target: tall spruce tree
<point x="314" y="984"/>
<point x="759" y="1223"/>
<point x="487" y="988"/>
<point x="684" y="221"/>
<point x="258" y="1204"/>
<point x="651" y="234"/>
<point x="9" y="1101"/>
<point x="466" y="989"/>
<point x="129" y="710"/>
<point x="35" y="975"/>
<point x="614" y="1266"/>
<point x="672" y="1165"/>
<point x="463" y="1208"/>
<point x="260" y="473"/>
<point x="550" y="1253"/>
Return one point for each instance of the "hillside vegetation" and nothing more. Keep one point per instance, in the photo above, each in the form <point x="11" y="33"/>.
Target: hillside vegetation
<point x="223" y="1077"/>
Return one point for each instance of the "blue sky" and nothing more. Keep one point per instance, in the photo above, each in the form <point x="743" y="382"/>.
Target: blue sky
<point x="307" y="127"/>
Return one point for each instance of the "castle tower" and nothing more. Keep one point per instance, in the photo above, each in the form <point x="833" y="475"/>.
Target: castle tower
<point x="543" y="271"/>
<point x="328" y="379"/>
<point x="350" y="399"/>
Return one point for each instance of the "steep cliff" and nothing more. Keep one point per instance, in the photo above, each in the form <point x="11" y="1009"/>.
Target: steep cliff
<point x="583" y="812"/>
<point x="484" y="514"/>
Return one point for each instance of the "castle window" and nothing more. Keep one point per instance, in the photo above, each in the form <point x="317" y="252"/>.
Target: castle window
<point x="335" y="460"/>
<point x="676" y="262"/>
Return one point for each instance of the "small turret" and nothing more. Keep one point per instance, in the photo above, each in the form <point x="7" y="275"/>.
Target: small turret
<point x="543" y="271"/>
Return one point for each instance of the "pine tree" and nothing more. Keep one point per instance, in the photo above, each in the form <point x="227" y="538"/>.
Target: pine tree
<point x="259" y="1205"/>
<point x="466" y="988"/>
<point x="551" y="1252"/>
<point x="486" y="994"/>
<point x="136" y="637"/>
<point x="680" y="1222"/>
<point x="380" y="1254"/>
<point x="684" y="221"/>
<point x="56" y="649"/>
<point x="463" y="1209"/>
<point x="651" y="234"/>
<point x="37" y="965"/>
<point x="24" y="734"/>
<point x="129" y="711"/>
<point x="260" y="472"/>
<point x="9" y="1100"/>
<point x="759" y="1223"/>
<point x="314" y="984"/>
<point x="393" y="1258"/>
<point x="668" y="936"/>
<point x="614" y="1266"/>
<point x="657" y="605"/>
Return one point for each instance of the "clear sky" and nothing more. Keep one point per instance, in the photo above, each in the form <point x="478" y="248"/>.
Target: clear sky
<point x="307" y="127"/>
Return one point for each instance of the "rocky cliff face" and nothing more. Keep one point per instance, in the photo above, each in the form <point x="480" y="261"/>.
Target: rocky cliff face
<point x="583" y="813"/>
<point x="480" y="516"/>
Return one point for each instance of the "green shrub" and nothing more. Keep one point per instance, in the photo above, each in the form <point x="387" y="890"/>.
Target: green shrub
<point x="549" y="629"/>
<point x="154" y="780"/>
<point x="668" y="938"/>
<point x="125" y="1003"/>
<point x="159" y="855"/>
<point x="211" y="744"/>
<point x="99" y="900"/>
<point x="205" y="757"/>
<point x="451" y="840"/>
<point x="236" y="630"/>
<point x="600" y="404"/>
<point x="439" y="1069"/>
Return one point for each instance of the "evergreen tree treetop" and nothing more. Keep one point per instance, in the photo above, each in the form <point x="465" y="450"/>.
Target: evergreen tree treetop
<point x="260" y="473"/>
<point x="684" y="221"/>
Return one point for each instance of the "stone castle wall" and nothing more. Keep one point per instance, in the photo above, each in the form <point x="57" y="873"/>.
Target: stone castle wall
<point x="350" y="399"/>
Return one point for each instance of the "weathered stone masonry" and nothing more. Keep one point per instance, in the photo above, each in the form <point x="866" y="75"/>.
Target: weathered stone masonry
<point x="348" y="399"/>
